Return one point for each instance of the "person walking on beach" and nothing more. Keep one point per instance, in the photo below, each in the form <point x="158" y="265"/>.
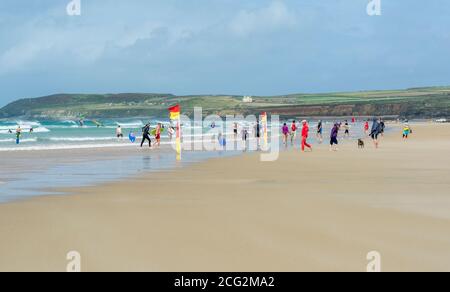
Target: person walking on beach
<point x="158" y="134"/>
<point x="366" y="128"/>
<point x="235" y="130"/>
<point x="334" y="138"/>
<point x="285" y="131"/>
<point x="320" y="131"/>
<point x="375" y="132"/>
<point x="258" y="133"/>
<point x="383" y="127"/>
<point x="293" y="132"/>
<point x="406" y="131"/>
<point x="146" y="135"/>
<point x="347" y="129"/>
<point x="119" y="133"/>
<point x="305" y="133"/>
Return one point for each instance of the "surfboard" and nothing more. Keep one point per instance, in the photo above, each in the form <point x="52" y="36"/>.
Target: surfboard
<point x="153" y="132"/>
<point x="132" y="138"/>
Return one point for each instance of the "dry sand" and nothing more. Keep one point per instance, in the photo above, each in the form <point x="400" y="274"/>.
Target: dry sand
<point x="318" y="211"/>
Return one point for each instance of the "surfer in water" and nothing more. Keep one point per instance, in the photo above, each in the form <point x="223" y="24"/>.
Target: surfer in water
<point x="146" y="135"/>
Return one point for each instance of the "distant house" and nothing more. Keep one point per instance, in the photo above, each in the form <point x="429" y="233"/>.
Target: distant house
<point x="247" y="99"/>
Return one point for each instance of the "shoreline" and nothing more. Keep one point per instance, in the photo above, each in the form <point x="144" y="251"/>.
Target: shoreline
<point x="318" y="211"/>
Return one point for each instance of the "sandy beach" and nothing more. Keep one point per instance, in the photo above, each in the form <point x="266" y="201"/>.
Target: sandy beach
<point x="319" y="211"/>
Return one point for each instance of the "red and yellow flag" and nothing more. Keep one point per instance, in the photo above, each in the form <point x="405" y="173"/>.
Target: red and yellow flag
<point x="174" y="112"/>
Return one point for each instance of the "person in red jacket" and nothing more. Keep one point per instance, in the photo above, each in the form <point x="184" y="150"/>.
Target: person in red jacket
<point x="305" y="133"/>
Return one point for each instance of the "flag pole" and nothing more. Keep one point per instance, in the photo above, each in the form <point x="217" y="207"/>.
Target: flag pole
<point x="179" y="137"/>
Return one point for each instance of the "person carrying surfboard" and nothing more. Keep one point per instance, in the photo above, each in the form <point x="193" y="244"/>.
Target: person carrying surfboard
<point x="158" y="134"/>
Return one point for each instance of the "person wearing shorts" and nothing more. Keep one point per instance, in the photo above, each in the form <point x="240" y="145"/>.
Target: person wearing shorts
<point x="293" y="132"/>
<point x="119" y="133"/>
<point x="158" y="134"/>
<point x="376" y="131"/>
<point x="347" y="129"/>
<point x="320" y="132"/>
<point x="334" y="137"/>
<point x="285" y="131"/>
<point x="406" y="131"/>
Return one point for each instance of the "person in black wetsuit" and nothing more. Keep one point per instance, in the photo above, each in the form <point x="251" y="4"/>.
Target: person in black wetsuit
<point x="146" y="135"/>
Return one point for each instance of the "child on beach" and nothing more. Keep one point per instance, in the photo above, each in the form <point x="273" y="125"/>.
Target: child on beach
<point x="366" y="128"/>
<point x="334" y="138"/>
<point x="158" y="134"/>
<point x="293" y="132"/>
<point x="406" y="131"/>
<point x="347" y="129"/>
<point x="305" y="133"/>
<point x="320" y="132"/>
<point x="285" y="131"/>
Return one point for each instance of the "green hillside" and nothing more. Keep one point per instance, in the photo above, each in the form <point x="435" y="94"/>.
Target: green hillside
<point x="412" y="103"/>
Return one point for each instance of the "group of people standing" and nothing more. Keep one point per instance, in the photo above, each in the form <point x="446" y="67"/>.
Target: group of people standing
<point x="377" y="130"/>
<point x="292" y="133"/>
<point x="19" y="132"/>
<point x="147" y="133"/>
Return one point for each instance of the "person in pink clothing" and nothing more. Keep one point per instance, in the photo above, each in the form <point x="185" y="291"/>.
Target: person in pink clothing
<point x="305" y="133"/>
<point x="285" y="131"/>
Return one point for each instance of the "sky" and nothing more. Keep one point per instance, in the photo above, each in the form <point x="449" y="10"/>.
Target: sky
<point x="242" y="47"/>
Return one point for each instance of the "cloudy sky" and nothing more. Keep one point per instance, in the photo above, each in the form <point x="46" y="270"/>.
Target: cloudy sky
<point x="252" y="47"/>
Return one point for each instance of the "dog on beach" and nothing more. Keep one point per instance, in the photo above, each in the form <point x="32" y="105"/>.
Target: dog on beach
<point x="361" y="144"/>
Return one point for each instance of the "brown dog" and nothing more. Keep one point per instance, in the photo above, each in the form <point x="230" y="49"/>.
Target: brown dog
<point x="361" y="144"/>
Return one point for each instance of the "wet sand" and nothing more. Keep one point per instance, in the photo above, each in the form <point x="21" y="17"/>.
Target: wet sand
<point x="318" y="211"/>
